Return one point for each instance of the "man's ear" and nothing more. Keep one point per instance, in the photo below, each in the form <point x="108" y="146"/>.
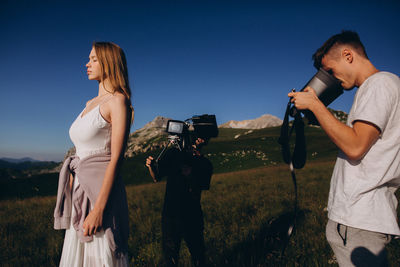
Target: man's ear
<point x="347" y="55"/>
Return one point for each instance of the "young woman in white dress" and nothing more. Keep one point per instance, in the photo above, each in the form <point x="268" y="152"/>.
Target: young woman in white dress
<point x="102" y="127"/>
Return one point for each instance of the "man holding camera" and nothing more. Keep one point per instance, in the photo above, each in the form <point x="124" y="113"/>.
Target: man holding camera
<point x="188" y="172"/>
<point x="362" y="205"/>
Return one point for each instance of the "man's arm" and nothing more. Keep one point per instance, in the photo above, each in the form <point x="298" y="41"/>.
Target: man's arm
<point x="353" y="141"/>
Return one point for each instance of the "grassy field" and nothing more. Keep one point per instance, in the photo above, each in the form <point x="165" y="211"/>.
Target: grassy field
<point x="245" y="214"/>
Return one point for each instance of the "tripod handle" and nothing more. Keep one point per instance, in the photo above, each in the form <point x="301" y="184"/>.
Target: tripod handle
<point x="162" y="152"/>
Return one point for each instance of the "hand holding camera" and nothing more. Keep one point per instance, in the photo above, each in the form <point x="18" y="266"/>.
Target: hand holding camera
<point x="150" y="163"/>
<point x="305" y="99"/>
<point x="198" y="144"/>
<point x="325" y="88"/>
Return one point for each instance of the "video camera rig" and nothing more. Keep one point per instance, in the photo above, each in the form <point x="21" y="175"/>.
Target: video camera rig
<point x="183" y="134"/>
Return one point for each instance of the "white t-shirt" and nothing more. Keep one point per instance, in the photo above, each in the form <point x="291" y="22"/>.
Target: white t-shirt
<point x="362" y="192"/>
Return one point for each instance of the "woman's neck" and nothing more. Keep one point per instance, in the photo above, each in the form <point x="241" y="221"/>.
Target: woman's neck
<point x="105" y="88"/>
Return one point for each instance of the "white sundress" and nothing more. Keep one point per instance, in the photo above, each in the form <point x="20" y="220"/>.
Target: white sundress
<point x="91" y="134"/>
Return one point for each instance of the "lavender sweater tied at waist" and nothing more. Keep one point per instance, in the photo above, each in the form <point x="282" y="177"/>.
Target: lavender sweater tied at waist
<point x="90" y="172"/>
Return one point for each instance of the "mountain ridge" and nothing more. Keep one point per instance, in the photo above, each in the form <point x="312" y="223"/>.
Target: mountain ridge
<point x="20" y="160"/>
<point x="264" y="121"/>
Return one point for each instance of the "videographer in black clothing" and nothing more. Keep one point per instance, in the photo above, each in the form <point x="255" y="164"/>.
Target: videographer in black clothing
<point x="188" y="172"/>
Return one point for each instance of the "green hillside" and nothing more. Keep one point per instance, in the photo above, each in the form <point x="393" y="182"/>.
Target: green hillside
<point x="16" y="170"/>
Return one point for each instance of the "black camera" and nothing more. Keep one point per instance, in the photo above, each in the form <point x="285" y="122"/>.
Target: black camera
<point x="327" y="88"/>
<point x="204" y="126"/>
<point x="183" y="134"/>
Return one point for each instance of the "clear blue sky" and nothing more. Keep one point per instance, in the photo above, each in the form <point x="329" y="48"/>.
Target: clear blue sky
<point x="235" y="59"/>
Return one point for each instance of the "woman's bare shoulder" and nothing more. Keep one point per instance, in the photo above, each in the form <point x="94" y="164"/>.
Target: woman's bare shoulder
<point x="117" y="102"/>
<point x="118" y="99"/>
<point x="90" y="100"/>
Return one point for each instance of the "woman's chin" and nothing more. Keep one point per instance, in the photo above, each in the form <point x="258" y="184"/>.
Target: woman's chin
<point x="93" y="78"/>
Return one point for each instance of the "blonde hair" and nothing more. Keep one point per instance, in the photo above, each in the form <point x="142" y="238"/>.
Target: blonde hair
<point x="113" y="66"/>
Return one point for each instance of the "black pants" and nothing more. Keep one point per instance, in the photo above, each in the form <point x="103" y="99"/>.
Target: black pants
<point x="191" y="230"/>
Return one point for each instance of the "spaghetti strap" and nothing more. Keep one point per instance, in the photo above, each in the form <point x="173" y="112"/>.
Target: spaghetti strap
<point x="101" y="103"/>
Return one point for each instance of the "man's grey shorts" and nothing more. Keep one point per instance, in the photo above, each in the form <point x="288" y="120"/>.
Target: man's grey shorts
<point x="357" y="247"/>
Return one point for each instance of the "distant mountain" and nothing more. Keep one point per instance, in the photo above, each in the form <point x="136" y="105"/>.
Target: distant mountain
<point x="25" y="164"/>
<point x="26" y="159"/>
<point x="264" y="121"/>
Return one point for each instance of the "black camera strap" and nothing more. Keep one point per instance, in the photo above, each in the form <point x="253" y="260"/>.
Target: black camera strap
<point x="298" y="159"/>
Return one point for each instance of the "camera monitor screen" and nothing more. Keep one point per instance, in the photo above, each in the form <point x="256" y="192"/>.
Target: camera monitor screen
<point x="175" y="127"/>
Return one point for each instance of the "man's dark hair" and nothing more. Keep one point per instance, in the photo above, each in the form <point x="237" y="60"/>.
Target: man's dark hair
<point x="345" y="37"/>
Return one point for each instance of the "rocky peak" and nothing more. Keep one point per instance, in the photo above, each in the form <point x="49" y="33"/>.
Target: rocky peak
<point x="151" y="136"/>
<point x="158" y="122"/>
<point x="264" y="121"/>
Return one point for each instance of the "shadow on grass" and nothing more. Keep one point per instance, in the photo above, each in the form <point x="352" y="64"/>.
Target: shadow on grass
<point x="268" y="243"/>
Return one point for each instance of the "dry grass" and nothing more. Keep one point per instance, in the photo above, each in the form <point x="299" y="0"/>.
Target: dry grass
<point x="245" y="214"/>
